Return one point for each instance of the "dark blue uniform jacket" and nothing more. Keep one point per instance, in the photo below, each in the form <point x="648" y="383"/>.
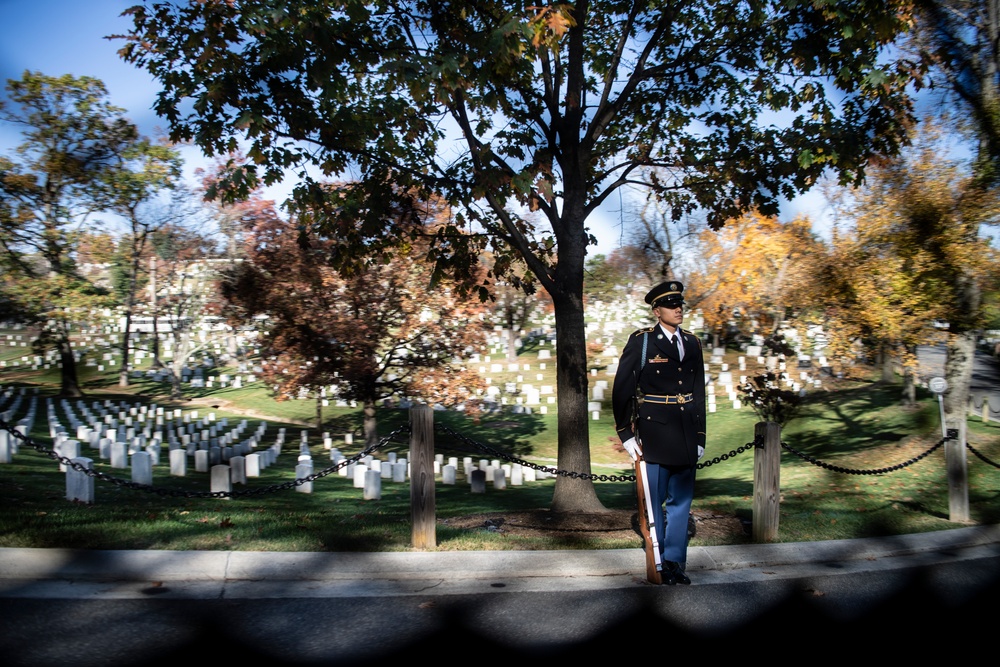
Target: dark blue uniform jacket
<point x="669" y="434"/>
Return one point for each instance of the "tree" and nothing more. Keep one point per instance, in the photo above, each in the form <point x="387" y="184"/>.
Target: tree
<point x="516" y="302"/>
<point x="663" y="240"/>
<point x="959" y="41"/>
<point x="185" y="291"/>
<point x="73" y="139"/>
<point x="884" y="270"/>
<point x="371" y="335"/>
<point x="144" y="171"/>
<point x="753" y="271"/>
<point x="501" y="107"/>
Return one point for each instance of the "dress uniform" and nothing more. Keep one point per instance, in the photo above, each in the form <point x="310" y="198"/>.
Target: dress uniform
<point x="659" y="399"/>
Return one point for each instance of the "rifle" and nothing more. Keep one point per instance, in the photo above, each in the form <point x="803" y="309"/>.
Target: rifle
<point x="646" y="524"/>
<point x="646" y="520"/>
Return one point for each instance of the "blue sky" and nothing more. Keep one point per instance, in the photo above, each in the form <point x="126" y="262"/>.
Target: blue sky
<point x="57" y="37"/>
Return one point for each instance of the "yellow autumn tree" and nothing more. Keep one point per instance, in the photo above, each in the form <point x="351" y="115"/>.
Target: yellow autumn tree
<point x="753" y="273"/>
<point x="900" y="254"/>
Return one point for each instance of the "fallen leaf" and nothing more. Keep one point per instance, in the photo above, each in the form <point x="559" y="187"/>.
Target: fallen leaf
<point x="425" y="605"/>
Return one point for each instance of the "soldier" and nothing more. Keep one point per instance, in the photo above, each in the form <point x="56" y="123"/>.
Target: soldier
<point x="659" y="407"/>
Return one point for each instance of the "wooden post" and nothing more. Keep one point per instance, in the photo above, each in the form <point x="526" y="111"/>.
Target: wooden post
<point x="958" y="478"/>
<point x="422" y="508"/>
<point x="766" y="482"/>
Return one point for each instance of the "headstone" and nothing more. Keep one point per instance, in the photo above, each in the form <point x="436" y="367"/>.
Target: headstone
<point x="6" y="448"/>
<point x="238" y="467"/>
<point x="254" y="464"/>
<point x="221" y="482"/>
<point x="302" y="471"/>
<point x="372" y="485"/>
<point x="119" y="455"/>
<point x="477" y="481"/>
<point x="80" y="485"/>
<point x="142" y="468"/>
<point x="178" y="462"/>
<point x="201" y="460"/>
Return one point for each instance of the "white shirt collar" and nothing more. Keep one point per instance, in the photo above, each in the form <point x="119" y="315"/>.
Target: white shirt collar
<point x="668" y="334"/>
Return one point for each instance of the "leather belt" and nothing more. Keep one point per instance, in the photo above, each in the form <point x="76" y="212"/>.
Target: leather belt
<point x="669" y="399"/>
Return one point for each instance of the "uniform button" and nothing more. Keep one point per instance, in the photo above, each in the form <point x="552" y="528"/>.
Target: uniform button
<point x="680" y="382"/>
<point x="647" y="418"/>
<point x="682" y="408"/>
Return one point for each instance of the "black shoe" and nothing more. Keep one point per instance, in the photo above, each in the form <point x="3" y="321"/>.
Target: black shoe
<point x="667" y="578"/>
<point x="676" y="574"/>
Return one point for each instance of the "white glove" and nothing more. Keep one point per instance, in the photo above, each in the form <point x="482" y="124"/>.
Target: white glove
<point x="701" y="451"/>
<point x="632" y="447"/>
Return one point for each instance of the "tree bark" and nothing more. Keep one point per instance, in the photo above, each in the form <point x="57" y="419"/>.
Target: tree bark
<point x="319" y="412"/>
<point x="123" y="373"/>
<point x="70" y="383"/>
<point x="886" y="363"/>
<point x="909" y="393"/>
<point x="511" y="342"/>
<point x="370" y="425"/>
<point x="571" y="494"/>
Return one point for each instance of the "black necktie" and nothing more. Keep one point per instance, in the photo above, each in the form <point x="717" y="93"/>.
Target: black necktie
<point x="680" y="349"/>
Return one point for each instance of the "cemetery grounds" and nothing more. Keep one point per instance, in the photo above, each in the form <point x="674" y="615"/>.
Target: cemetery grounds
<point x="853" y="424"/>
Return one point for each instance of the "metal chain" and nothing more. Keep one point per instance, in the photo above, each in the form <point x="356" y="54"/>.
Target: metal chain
<point x="128" y="484"/>
<point x="757" y="442"/>
<point x="547" y="469"/>
<point x="572" y="473"/>
<point x="952" y="434"/>
<point x="981" y="456"/>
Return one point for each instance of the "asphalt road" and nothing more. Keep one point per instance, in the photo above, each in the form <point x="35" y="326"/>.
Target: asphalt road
<point x="891" y="598"/>
<point x="985" y="381"/>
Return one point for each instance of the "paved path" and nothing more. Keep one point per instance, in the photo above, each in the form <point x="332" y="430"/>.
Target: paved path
<point x="55" y="573"/>
<point x="878" y="598"/>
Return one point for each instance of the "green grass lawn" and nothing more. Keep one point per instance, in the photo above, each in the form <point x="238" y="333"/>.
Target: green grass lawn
<point x="856" y="426"/>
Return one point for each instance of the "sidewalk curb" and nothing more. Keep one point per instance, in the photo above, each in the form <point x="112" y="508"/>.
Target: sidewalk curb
<point x="17" y="564"/>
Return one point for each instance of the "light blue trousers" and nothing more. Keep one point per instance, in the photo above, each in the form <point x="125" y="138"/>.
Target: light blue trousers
<point x="672" y="487"/>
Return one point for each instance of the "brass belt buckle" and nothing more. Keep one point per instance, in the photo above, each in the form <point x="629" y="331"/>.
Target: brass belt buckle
<point x="680" y="399"/>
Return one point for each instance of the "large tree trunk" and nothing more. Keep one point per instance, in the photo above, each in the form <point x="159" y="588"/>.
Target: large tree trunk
<point x="886" y="363"/>
<point x="512" y="338"/>
<point x="126" y="340"/>
<point x="176" y="389"/>
<point x="319" y="412"/>
<point x="571" y="494"/>
<point x="909" y="393"/>
<point x="370" y="424"/>
<point x="70" y="384"/>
